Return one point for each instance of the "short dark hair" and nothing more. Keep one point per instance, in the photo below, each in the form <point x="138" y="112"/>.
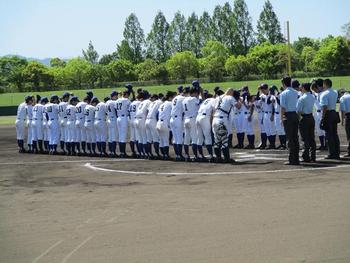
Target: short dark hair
<point x="287" y="81"/>
<point x="328" y="82"/>
<point x="306" y="86"/>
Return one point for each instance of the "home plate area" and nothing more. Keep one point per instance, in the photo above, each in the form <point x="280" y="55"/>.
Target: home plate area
<point x="247" y="162"/>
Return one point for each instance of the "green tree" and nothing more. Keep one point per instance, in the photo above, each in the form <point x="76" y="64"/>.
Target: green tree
<point x="303" y="42"/>
<point x="242" y="23"/>
<point x="37" y="74"/>
<point x="333" y="57"/>
<point x="57" y="62"/>
<point x="213" y="62"/>
<point x="238" y="67"/>
<point x="307" y="57"/>
<point x="77" y="72"/>
<point x="147" y="70"/>
<point x="204" y="25"/>
<point x="346" y="30"/>
<point x="11" y="72"/>
<point x="108" y="58"/>
<point x="124" y="51"/>
<point x="121" y="70"/>
<point x="134" y="37"/>
<point x="217" y="25"/>
<point x="177" y="33"/>
<point x="91" y="54"/>
<point x="182" y="65"/>
<point x="269" y="28"/>
<point x="157" y="40"/>
<point x="193" y="37"/>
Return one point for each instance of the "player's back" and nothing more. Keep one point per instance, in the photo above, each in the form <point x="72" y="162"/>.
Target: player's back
<point x="62" y="109"/>
<point x="190" y="107"/>
<point x="164" y="111"/>
<point x="80" y="107"/>
<point x="22" y="111"/>
<point x="89" y="113"/>
<point x="52" y="111"/>
<point x="133" y="108"/>
<point x="224" y="105"/>
<point x="122" y="106"/>
<point x="100" y="111"/>
<point x="142" y="109"/>
<point x="206" y="108"/>
<point x="111" y="109"/>
<point x="153" y="109"/>
<point x="177" y="107"/>
<point x="70" y="112"/>
<point x="38" y="110"/>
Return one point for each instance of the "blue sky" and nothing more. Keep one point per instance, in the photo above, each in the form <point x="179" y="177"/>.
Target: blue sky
<point x="50" y="28"/>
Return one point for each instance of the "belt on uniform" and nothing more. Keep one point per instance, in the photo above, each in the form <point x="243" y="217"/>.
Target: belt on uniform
<point x="99" y="119"/>
<point x="220" y="117"/>
<point x="175" y="116"/>
<point x="277" y="113"/>
<point x="307" y="115"/>
<point x="53" y="120"/>
<point x="236" y="113"/>
<point x="38" y="119"/>
<point x="204" y="114"/>
<point x="267" y="111"/>
<point x="64" y="117"/>
<point x="318" y="111"/>
<point x="88" y="121"/>
<point x="161" y="120"/>
<point x="246" y="112"/>
<point x="123" y="115"/>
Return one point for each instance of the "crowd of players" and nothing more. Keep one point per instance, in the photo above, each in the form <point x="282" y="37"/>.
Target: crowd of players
<point x="191" y="118"/>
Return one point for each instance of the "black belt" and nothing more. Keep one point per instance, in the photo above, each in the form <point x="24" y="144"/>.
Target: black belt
<point x="65" y="117"/>
<point x="307" y="115"/>
<point x="123" y="115"/>
<point x="236" y="113"/>
<point x="221" y="117"/>
<point x="53" y="120"/>
<point x="98" y="119"/>
<point x="88" y="121"/>
<point x="246" y="112"/>
<point x="318" y="111"/>
<point x="277" y="113"/>
<point x="204" y="114"/>
<point x="38" y="119"/>
<point x="161" y="120"/>
<point x="267" y="111"/>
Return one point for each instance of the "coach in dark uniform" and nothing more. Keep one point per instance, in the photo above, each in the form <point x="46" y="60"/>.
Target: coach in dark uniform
<point x="330" y="119"/>
<point x="305" y="107"/>
<point x="290" y="118"/>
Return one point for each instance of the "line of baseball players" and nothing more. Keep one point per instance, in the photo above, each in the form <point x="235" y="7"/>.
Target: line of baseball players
<point x="191" y="117"/>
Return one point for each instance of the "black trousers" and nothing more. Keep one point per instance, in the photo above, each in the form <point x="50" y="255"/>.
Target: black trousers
<point x="331" y="127"/>
<point x="291" y="124"/>
<point x="307" y="132"/>
<point x="347" y="129"/>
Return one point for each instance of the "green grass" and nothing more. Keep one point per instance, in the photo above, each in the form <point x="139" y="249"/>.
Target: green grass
<point x="7" y="120"/>
<point x="11" y="99"/>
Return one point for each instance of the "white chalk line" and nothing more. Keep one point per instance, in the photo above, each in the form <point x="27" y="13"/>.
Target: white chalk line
<point x="69" y="161"/>
<point x="47" y="251"/>
<point x="89" y="166"/>
<point x="76" y="249"/>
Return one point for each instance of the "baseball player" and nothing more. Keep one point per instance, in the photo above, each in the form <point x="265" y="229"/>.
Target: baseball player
<point x="122" y="108"/>
<point x="37" y="125"/>
<point x="20" y="122"/>
<point x="101" y="126"/>
<point x="269" y="114"/>
<point x="89" y="113"/>
<point x="52" y="111"/>
<point x="44" y="101"/>
<point x="72" y="131"/>
<point x="279" y="127"/>
<point x="190" y="109"/>
<point x="63" y="120"/>
<point x="317" y="87"/>
<point x="163" y="124"/>
<point x="112" y="124"/>
<point x="132" y="125"/>
<point x="223" y="107"/>
<point x="29" y="108"/>
<point x="248" y="123"/>
<point x="151" y="123"/>
<point x="79" y="124"/>
<point x="260" y="112"/>
<point x="176" y="123"/>
<point x="141" y="114"/>
<point x="203" y="125"/>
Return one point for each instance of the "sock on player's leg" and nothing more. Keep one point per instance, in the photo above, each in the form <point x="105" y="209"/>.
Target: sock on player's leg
<point x="195" y="150"/>
<point x="83" y="146"/>
<point x="200" y="150"/>
<point x="210" y="149"/>
<point x="187" y="150"/>
<point x="156" y="148"/>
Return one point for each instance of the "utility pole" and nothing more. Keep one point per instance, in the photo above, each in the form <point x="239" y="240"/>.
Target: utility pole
<point x="289" y="62"/>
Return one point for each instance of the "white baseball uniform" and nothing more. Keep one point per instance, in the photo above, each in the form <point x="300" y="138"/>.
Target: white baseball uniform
<point x="100" y="122"/>
<point x="141" y="114"/>
<point x="112" y="121"/>
<point x="318" y="115"/>
<point x="267" y="108"/>
<point x="63" y="120"/>
<point x="151" y="122"/>
<point x="29" y="123"/>
<point x="248" y="125"/>
<point x="163" y="124"/>
<point x="37" y="122"/>
<point x="72" y="131"/>
<point x="122" y="108"/>
<point x="89" y="113"/>
<point x="21" y="120"/>
<point x="279" y="127"/>
<point x="190" y="108"/>
<point x="203" y="122"/>
<point x="176" y="120"/>
<point x="80" y="120"/>
<point x="132" y="119"/>
<point x="52" y="111"/>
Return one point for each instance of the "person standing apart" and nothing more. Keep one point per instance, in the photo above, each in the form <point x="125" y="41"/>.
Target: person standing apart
<point x="330" y="119"/>
<point x="345" y="115"/>
<point x="290" y="119"/>
<point x="20" y="122"/>
<point x="305" y="106"/>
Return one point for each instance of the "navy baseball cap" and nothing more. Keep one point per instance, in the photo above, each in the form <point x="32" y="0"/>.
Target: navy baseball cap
<point x="28" y="98"/>
<point x="295" y="84"/>
<point x="245" y="88"/>
<point x="54" y="97"/>
<point x="264" y="86"/>
<point x="74" y="98"/>
<point x="66" y="94"/>
<point x="180" y="88"/>
<point x="128" y="86"/>
<point x="106" y="99"/>
<point x="90" y="94"/>
<point x="187" y="89"/>
<point x="114" y="93"/>
<point x="44" y="100"/>
<point x="94" y="100"/>
<point x="195" y="84"/>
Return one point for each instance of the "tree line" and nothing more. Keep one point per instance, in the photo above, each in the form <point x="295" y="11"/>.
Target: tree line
<point x="217" y="46"/>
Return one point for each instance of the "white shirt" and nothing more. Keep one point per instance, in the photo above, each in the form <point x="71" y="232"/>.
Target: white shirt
<point x="317" y="103"/>
<point x="38" y="111"/>
<point x="22" y="111"/>
<point x="164" y="111"/>
<point x="29" y="111"/>
<point x="101" y="111"/>
<point x="52" y="110"/>
<point x="190" y="107"/>
<point x="133" y="108"/>
<point x="70" y="112"/>
<point x="207" y="107"/>
<point x="62" y="110"/>
<point x="224" y="105"/>
<point x="80" y="107"/>
<point x="111" y="111"/>
<point x="89" y="113"/>
<point x="122" y="106"/>
<point x="153" y="109"/>
<point x="142" y="109"/>
<point x="177" y="107"/>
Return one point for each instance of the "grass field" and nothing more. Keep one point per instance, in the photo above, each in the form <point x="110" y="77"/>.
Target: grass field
<point x="10" y="99"/>
<point x="7" y="120"/>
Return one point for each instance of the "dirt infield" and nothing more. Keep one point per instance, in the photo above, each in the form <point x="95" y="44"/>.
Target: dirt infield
<point x="79" y="209"/>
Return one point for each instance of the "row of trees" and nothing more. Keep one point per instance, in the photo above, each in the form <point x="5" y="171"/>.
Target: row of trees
<point x="211" y="47"/>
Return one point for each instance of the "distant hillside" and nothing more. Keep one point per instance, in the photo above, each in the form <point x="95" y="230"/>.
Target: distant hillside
<point x="45" y="61"/>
